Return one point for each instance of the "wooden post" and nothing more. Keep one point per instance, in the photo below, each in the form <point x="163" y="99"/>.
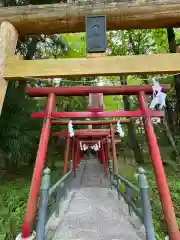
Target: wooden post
<point x="101" y="152"/>
<point x="100" y="158"/>
<point x="66" y="157"/>
<point x="115" y="161"/>
<point x="108" y="149"/>
<point x="8" y="42"/>
<point x="76" y="153"/>
<point x="159" y="172"/>
<point x="104" y="158"/>
<point x="98" y="155"/>
<point x="73" y="156"/>
<point x="105" y="148"/>
<point x="32" y="203"/>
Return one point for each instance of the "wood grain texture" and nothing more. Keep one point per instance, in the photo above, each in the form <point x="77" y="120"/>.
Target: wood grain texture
<point x="101" y="66"/>
<point x="67" y="18"/>
<point x="8" y="41"/>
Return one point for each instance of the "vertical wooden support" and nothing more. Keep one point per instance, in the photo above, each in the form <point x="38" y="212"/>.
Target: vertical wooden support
<point x="104" y="159"/>
<point x="8" y="42"/>
<point x="73" y="156"/>
<point x="101" y="153"/>
<point x="108" y="149"/>
<point x="105" y="156"/>
<point x="76" y="154"/>
<point x="160" y="176"/>
<point x="66" y="156"/>
<point x="79" y="152"/>
<point x="98" y="155"/>
<point x="38" y="169"/>
<point x="115" y="161"/>
<point x="82" y="155"/>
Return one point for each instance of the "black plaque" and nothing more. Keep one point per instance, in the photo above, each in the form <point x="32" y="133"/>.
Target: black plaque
<point x="96" y="34"/>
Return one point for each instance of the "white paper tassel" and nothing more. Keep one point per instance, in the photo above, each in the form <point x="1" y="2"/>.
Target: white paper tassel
<point x="70" y="129"/>
<point x="119" y="129"/>
<point x="85" y="147"/>
<point x="95" y="147"/>
<point x="156" y="87"/>
<point x="159" y="98"/>
<point x="81" y="147"/>
<point x="155" y="120"/>
<point x="92" y="147"/>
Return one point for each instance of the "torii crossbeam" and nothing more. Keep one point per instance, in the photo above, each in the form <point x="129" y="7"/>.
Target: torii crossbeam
<point x="98" y="122"/>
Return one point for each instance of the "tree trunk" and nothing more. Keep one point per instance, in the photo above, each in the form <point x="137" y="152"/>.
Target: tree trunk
<point x="171" y="117"/>
<point x="173" y="49"/>
<point x="131" y="130"/>
<point x="171" y="139"/>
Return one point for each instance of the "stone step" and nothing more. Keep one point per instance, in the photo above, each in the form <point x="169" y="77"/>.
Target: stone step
<point x="94" y="212"/>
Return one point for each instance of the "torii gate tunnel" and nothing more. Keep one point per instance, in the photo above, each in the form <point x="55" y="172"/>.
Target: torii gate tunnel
<point x="143" y="111"/>
<point x="89" y="136"/>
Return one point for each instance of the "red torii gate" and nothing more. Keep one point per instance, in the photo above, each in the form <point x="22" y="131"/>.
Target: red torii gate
<point x="76" y="149"/>
<point x="75" y="146"/>
<point x="85" y="133"/>
<point x="81" y="134"/>
<point x="144" y="112"/>
<point x="104" y="141"/>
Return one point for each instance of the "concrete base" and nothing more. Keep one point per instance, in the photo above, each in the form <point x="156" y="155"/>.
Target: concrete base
<point x="32" y="237"/>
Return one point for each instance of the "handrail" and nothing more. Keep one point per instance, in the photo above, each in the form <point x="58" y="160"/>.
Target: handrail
<point x="57" y="192"/>
<point x="141" y="206"/>
<point x="50" y="199"/>
<point x="60" y="181"/>
<point x="128" y="195"/>
<point x="134" y="187"/>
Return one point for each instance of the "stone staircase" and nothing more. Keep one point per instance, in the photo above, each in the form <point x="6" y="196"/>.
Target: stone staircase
<point x="94" y="212"/>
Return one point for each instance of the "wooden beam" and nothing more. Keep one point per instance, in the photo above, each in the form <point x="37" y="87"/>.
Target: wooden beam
<point x="8" y="42"/>
<point x="98" y="122"/>
<point x="88" y="90"/>
<point x="101" y="66"/>
<point x="66" y="18"/>
<point x="118" y="114"/>
<point x="82" y="134"/>
<point x="87" y="137"/>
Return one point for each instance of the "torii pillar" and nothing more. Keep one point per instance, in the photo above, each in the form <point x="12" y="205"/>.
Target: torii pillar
<point x="115" y="161"/>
